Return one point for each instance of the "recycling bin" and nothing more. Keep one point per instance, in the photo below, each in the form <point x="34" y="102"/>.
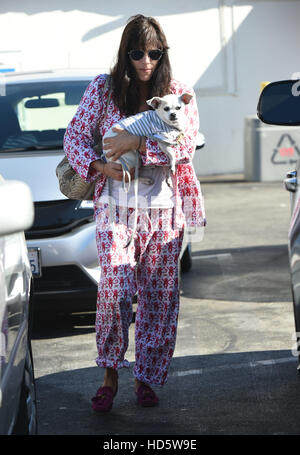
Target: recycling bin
<point x="269" y="151"/>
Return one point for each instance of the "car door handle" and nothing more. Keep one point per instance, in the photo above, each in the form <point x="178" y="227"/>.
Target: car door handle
<point x="291" y="174"/>
<point x="291" y="184"/>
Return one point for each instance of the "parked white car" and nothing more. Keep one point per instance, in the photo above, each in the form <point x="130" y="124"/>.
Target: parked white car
<point x="35" y="112"/>
<point x="17" y="386"/>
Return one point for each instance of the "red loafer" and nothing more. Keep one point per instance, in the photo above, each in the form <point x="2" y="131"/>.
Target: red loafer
<point x="103" y="400"/>
<point x="146" y="396"/>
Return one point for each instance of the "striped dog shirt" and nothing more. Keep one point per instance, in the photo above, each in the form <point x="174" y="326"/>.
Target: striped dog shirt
<point x="149" y="124"/>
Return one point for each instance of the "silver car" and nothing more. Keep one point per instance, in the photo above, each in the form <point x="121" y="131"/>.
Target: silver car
<point x="279" y="104"/>
<point x="35" y="112"/>
<point x="17" y="393"/>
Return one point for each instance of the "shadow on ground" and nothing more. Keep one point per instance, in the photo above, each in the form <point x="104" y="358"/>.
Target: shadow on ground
<point x="256" y="274"/>
<point x="55" y="323"/>
<point x="237" y="393"/>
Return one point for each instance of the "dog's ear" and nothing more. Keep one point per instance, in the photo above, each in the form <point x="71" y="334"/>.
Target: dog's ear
<point x="186" y="97"/>
<point x="154" y="102"/>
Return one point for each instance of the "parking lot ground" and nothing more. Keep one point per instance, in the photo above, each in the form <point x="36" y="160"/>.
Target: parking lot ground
<point x="234" y="370"/>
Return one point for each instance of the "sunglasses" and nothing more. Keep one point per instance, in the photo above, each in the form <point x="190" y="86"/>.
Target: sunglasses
<point x="155" y="54"/>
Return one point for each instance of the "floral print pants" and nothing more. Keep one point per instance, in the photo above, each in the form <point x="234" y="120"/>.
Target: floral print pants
<point x="148" y="267"/>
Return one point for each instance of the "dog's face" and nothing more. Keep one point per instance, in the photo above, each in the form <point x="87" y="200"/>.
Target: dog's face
<point x="170" y="108"/>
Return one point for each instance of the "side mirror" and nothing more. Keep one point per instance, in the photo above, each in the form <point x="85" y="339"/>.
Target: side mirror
<point x="279" y="103"/>
<point x="16" y="207"/>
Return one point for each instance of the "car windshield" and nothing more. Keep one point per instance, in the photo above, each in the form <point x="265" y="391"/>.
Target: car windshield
<point x="34" y="115"/>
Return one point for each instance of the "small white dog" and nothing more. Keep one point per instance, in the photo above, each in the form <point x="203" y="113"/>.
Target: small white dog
<point x="165" y="124"/>
<point x="170" y="110"/>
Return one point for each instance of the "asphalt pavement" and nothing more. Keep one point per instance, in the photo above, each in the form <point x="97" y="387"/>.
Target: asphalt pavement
<point x="234" y="371"/>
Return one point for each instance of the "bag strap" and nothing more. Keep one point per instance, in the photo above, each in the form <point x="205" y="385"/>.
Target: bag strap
<point x="97" y="135"/>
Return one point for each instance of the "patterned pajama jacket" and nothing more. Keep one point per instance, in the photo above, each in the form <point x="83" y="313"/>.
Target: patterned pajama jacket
<point x="149" y="267"/>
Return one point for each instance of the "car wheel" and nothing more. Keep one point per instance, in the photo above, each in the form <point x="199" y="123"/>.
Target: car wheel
<point x="27" y="416"/>
<point x="186" y="260"/>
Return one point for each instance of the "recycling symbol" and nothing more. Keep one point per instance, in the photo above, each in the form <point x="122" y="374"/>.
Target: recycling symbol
<point x="286" y="151"/>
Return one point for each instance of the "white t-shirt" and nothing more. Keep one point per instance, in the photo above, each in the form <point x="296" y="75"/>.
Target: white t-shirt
<point x="158" y="195"/>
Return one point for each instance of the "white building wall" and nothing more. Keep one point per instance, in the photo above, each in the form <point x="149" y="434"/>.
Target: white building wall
<point x="223" y="48"/>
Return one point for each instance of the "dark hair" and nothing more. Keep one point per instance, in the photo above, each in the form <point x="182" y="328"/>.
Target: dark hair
<point x="139" y="33"/>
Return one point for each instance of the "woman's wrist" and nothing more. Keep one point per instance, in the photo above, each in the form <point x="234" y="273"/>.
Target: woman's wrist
<point x="141" y="144"/>
<point x="138" y="143"/>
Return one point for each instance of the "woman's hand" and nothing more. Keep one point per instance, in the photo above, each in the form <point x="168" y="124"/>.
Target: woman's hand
<point x="111" y="169"/>
<point x="120" y="144"/>
<point x="114" y="170"/>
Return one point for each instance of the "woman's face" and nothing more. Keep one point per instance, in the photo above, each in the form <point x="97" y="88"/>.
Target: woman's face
<point x="145" y="67"/>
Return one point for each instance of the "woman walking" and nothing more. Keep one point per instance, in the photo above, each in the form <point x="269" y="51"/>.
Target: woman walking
<point x="149" y="266"/>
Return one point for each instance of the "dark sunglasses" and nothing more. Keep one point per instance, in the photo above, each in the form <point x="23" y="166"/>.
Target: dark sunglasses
<point x="155" y="54"/>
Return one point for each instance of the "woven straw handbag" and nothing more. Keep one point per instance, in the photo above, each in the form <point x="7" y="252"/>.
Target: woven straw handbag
<point x="70" y="183"/>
